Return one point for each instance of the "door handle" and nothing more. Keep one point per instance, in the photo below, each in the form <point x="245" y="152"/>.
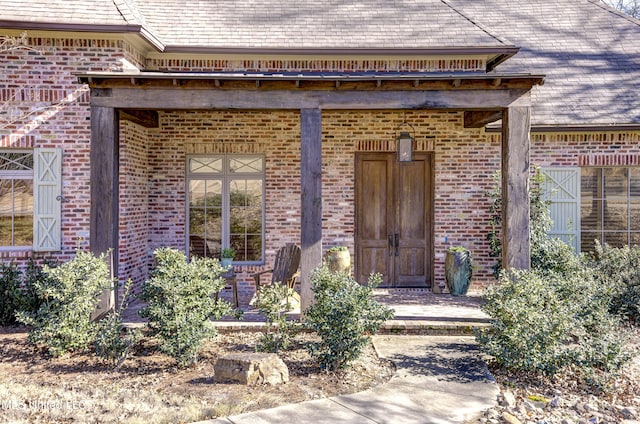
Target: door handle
<point x="397" y="244"/>
<point x="390" y="239"/>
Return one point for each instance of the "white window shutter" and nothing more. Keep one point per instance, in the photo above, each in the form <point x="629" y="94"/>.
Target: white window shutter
<point x="562" y="188"/>
<point x="47" y="196"/>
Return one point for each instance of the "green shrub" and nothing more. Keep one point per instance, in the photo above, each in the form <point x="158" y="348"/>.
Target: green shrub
<point x="33" y="275"/>
<point x="618" y="269"/>
<point x="181" y="302"/>
<point x="544" y="321"/>
<point x="10" y="293"/>
<point x="274" y="301"/>
<point x="113" y="340"/>
<point x="69" y="294"/>
<point x="547" y="253"/>
<point x="343" y="315"/>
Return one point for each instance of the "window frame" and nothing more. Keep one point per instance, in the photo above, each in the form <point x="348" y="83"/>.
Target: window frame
<point x="20" y="174"/>
<point x="226" y="176"/>
<point x="602" y="198"/>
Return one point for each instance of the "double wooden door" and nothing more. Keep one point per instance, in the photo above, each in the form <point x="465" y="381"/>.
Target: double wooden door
<point x="394" y="219"/>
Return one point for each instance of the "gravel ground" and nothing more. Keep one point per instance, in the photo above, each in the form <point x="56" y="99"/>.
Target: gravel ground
<point x="565" y="400"/>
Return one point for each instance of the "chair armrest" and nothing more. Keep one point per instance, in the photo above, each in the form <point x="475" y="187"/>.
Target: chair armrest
<point x="256" y="277"/>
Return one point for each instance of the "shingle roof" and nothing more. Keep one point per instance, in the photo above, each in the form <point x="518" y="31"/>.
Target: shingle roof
<point x="81" y="12"/>
<point x="313" y="24"/>
<point x="589" y="52"/>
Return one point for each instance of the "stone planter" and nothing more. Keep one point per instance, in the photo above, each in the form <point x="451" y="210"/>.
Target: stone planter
<point x="458" y="270"/>
<point x="338" y="259"/>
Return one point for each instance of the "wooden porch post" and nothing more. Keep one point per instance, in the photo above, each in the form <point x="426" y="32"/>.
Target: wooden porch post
<point x="104" y="158"/>
<point x="516" y="243"/>
<point x="311" y="199"/>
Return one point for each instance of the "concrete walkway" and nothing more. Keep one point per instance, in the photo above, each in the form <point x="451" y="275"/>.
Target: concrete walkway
<point x="438" y="380"/>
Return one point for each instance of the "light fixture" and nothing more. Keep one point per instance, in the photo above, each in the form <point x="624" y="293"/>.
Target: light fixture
<point x="405" y="147"/>
<point x="405" y="141"/>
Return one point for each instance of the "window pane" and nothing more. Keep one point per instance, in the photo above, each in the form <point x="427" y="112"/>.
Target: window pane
<point x="16" y="212"/>
<point x="205" y="165"/>
<point x="615" y="214"/>
<point x="213" y="224"/>
<point x="634" y="216"/>
<point x="246" y="192"/>
<point x="616" y="183"/>
<point x="214" y="193"/>
<point x="590" y="181"/>
<point x="634" y="182"/>
<point x="635" y="239"/>
<point x="238" y="242"/>
<point x="616" y="239"/>
<point x="254" y="248"/>
<point x="588" y="241"/>
<point x="16" y="161"/>
<point x="197" y="193"/>
<point x="246" y="165"/>
<point x="196" y="221"/>
<point x="591" y="215"/>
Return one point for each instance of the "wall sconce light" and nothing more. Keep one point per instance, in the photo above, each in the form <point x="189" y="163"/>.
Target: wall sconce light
<point x="405" y="147"/>
<point x="405" y="141"/>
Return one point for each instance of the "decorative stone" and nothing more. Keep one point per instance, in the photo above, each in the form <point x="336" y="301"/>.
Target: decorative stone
<point x="508" y="399"/>
<point x="510" y="418"/>
<point x="629" y="413"/>
<point x="252" y="368"/>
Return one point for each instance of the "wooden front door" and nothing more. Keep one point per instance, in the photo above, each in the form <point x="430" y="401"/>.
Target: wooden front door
<point x="394" y="219"/>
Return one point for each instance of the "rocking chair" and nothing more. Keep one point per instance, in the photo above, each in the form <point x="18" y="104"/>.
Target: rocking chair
<point x="285" y="268"/>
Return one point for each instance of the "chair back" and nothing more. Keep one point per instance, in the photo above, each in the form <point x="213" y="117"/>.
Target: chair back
<point x="286" y="264"/>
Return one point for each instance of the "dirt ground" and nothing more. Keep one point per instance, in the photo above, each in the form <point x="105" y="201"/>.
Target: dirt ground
<point x="150" y="389"/>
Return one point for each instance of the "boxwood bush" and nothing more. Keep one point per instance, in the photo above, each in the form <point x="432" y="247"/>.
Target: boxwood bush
<point x="344" y="315"/>
<point x="68" y="294"/>
<point x="181" y="297"/>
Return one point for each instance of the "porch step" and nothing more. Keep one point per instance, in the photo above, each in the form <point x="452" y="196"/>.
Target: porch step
<point x="433" y="328"/>
<point x="412" y="327"/>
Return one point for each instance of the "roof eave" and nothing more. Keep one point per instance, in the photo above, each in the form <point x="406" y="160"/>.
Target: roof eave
<point x="89" y="28"/>
<point x="505" y="52"/>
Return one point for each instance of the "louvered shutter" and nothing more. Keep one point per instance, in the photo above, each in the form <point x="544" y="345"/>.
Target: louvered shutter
<point x="562" y="188"/>
<point x="47" y="192"/>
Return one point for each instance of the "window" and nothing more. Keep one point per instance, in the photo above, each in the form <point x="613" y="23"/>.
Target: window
<point x="610" y="206"/>
<point x="16" y="198"/>
<point x="226" y="206"/>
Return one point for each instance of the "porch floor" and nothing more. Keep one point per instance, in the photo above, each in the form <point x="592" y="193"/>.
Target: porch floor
<point x="417" y="311"/>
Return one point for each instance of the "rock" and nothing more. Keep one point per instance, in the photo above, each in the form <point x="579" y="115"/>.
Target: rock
<point x="567" y="421"/>
<point x="510" y="419"/>
<point x="508" y="399"/>
<point x="628" y="413"/>
<point x="533" y="406"/>
<point x="251" y="368"/>
<point x="556" y="402"/>
<point x="589" y="407"/>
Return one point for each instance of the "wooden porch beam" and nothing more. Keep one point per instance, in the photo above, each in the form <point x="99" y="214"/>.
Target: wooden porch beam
<point x="146" y="118"/>
<point x="104" y="174"/>
<point x="311" y="200"/>
<point x="480" y="118"/>
<point x="516" y="243"/>
<point x="182" y="98"/>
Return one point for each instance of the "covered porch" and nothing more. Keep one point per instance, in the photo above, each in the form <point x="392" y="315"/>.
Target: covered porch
<point x="121" y="99"/>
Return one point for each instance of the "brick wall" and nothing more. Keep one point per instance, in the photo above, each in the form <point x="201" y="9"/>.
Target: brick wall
<point x="42" y="105"/>
<point x="464" y="160"/>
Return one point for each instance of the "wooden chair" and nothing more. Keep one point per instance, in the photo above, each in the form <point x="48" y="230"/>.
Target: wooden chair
<point x="285" y="267"/>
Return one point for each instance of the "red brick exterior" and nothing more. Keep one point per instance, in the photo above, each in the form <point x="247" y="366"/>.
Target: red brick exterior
<point x="40" y="87"/>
